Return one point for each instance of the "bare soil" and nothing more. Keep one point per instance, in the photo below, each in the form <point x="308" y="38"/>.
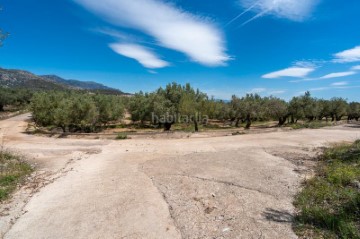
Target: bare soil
<point x="179" y="186"/>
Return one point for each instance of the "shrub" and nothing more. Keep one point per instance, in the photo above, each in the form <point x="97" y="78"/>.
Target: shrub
<point x="121" y="136"/>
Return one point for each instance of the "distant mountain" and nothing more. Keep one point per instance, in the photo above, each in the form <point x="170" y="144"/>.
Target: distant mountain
<point x="24" y="79"/>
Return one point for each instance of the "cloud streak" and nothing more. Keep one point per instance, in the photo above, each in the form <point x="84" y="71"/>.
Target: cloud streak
<point x="294" y="10"/>
<point x="141" y="54"/>
<point x="173" y="28"/>
<point x="351" y="55"/>
<point x="355" y="68"/>
<point x="297" y="72"/>
<point x="341" y="83"/>
<point x="338" y="74"/>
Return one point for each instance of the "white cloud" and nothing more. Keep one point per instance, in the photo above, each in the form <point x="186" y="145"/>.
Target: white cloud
<point x="295" y="10"/>
<point x="351" y="55"/>
<point x="171" y="27"/>
<point x="143" y="55"/>
<point x="257" y="91"/>
<point x="290" y="72"/>
<point x="341" y="83"/>
<point x="277" y="92"/>
<point x="356" y="68"/>
<point x="320" y="89"/>
<point x="338" y="74"/>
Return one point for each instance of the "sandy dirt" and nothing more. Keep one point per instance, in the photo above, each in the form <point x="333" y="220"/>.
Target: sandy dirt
<point x="193" y="187"/>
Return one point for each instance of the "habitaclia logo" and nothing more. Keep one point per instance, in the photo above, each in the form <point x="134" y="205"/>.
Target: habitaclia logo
<point x="178" y="118"/>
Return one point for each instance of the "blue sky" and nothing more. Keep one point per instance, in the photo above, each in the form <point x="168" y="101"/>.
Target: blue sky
<point x="271" y="47"/>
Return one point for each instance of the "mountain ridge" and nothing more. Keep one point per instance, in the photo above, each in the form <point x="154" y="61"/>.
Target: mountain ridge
<point x="14" y="78"/>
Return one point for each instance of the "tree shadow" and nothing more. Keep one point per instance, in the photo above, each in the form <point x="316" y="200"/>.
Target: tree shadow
<point x="278" y="216"/>
<point x="353" y="126"/>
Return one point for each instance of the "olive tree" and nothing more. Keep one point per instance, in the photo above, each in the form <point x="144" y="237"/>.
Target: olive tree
<point x="111" y="108"/>
<point x="247" y="108"/>
<point x="354" y="111"/>
<point x="338" y="108"/>
<point x="139" y="107"/>
<point x="277" y="109"/>
<point x="6" y="98"/>
<point x="296" y="110"/>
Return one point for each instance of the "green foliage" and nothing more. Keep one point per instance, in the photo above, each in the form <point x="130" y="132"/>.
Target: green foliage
<point x="338" y="108"/>
<point x="276" y="108"/>
<point x="14" y="97"/>
<point x="354" y="111"/>
<point x="329" y="204"/>
<point x="121" y="136"/>
<point x="310" y="125"/>
<point x="12" y="171"/>
<point x="75" y="111"/>
<point x="311" y="108"/>
<point x="163" y="106"/>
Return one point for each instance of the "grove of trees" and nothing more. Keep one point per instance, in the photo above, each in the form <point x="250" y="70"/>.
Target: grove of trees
<point x="176" y="100"/>
<point x="175" y="103"/>
<point x="14" y="97"/>
<point x="75" y="111"/>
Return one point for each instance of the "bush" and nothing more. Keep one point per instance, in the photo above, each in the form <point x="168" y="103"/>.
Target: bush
<point x="121" y="136"/>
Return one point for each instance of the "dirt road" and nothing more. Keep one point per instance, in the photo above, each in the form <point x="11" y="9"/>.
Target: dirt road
<point x="219" y="187"/>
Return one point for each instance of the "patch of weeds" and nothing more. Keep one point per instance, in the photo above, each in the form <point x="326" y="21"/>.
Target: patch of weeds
<point x="238" y="133"/>
<point x="13" y="171"/>
<point x="185" y="127"/>
<point x="329" y="204"/>
<point x="310" y="125"/>
<point x="121" y="136"/>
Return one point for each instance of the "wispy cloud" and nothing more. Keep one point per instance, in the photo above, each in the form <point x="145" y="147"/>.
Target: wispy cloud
<point x="141" y="54"/>
<point x="356" y="68"/>
<point x="341" y="83"/>
<point x="294" y="10"/>
<point x="295" y="71"/>
<point x="351" y="55"/>
<point x="172" y="28"/>
<point x="256" y="91"/>
<point x="277" y="92"/>
<point x="334" y="88"/>
<point x="338" y="74"/>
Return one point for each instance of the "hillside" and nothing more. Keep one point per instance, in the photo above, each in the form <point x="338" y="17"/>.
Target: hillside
<point x="24" y="79"/>
<point x="28" y="80"/>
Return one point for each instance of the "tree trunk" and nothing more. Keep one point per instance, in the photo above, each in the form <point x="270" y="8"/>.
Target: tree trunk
<point x="282" y="121"/>
<point x="292" y="119"/>
<point x="167" y="126"/>
<point x="248" y="122"/>
<point x="196" y="125"/>
<point x="63" y="128"/>
<point x="237" y="122"/>
<point x="1" y="108"/>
